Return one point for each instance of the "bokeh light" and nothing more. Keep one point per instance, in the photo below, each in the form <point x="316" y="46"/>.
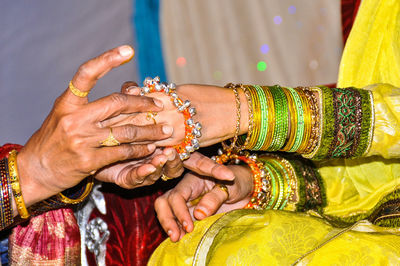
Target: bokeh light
<point x="264" y="48"/>
<point x="277" y="20"/>
<point x="292" y="9"/>
<point x="217" y="75"/>
<point x="181" y="61"/>
<point x="261" y="66"/>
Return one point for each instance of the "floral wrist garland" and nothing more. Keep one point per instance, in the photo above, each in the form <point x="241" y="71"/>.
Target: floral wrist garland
<point x="192" y="129"/>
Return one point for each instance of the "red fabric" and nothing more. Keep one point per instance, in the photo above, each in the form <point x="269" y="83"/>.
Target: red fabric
<point x="134" y="229"/>
<point x="349" y="11"/>
<point x="6" y="148"/>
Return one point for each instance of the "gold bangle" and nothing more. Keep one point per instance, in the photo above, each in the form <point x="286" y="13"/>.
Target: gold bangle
<point x="292" y="121"/>
<point x="256" y="118"/>
<point x="77" y="92"/>
<point x="251" y="116"/>
<point x="88" y="189"/>
<point x="16" y="188"/>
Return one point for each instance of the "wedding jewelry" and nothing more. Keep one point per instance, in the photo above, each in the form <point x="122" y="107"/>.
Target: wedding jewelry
<point x="16" y="188"/>
<point x="192" y="128"/>
<point x="166" y="178"/>
<point x="223" y="188"/>
<point x="76" y="91"/>
<point x="110" y="140"/>
<point x="151" y="115"/>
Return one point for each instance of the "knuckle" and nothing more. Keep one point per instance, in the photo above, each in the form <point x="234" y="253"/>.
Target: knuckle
<point x="118" y="98"/>
<point x="85" y="72"/>
<point x="129" y="132"/>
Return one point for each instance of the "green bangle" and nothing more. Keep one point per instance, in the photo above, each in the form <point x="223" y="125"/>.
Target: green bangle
<point x="273" y="184"/>
<point x="281" y="119"/>
<point x="280" y="183"/>
<point x="286" y="185"/>
<point x="300" y="120"/>
<point x="264" y="117"/>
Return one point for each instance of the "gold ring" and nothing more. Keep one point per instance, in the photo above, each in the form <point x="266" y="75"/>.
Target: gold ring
<point x="166" y="178"/>
<point x="110" y="140"/>
<point x="223" y="188"/>
<point x="151" y="115"/>
<point x="77" y="92"/>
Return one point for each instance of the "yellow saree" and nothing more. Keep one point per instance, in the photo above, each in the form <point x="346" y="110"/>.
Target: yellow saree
<point x="355" y="189"/>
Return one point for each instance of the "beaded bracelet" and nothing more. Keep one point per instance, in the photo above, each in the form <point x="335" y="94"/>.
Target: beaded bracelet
<point x="16" y="188"/>
<point x="262" y="189"/>
<point x="6" y="194"/>
<point x="192" y="129"/>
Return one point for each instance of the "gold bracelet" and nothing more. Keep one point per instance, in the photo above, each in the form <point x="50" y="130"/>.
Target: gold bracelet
<point x="256" y="118"/>
<point x="238" y="113"/>
<point x="16" y="188"/>
<point x="292" y="121"/>
<point x="77" y="92"/>
<point x="251" y="117"/>
<point x="88" y="189"/>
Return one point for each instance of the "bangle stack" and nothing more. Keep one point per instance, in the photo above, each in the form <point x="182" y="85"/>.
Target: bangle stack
<point x="283" y="119"/>
<point x="192" y="129"/>
<point x="10" y="186"/>
<point x="274" y="180"/>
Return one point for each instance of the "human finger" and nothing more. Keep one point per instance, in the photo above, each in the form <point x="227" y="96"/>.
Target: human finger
<point x="89" y="72"/>
<point x="109" y="155"/>
<point x="203" y="165"/>
<point x="130" y="87"/>
<point x="118" y="103"/>
<point x="174" y="166"/>
<point x="167" y="218"/>
<point x="131" y="133"/>
<point x="210" y="202"/>
<point x="178" y="199"/>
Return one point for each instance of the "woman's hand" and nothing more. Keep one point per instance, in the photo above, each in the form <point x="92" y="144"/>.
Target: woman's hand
<point x="215" y="107"/>
<point x="67" y="147"/>
<point x="178" y="207"/>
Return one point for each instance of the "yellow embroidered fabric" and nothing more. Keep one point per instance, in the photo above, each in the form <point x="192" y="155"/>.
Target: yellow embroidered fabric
<point x="353" y="187"/>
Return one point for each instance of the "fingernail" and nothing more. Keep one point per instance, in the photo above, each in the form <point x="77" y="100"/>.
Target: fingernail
<point x="185" y="225"/>
<point x="133" y="90"/>
<point x="171" y="156"/>
<point x="126" y="51"/>
<point x="169" y="233"/>
<point x="151" y="147"/>
<point x="152" y="169"/>
<point x="167" y="130"/>
<point x="158" y="103"/>
<point x="200" y="214"/>
<point x="163" y="161"/>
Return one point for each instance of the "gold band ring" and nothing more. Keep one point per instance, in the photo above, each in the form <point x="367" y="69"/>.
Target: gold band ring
<point x="110" y="140"/>
<point x="77" y="92"/>
<point x="151" y="115"/>
<point x="166" y="178"/>
<point x="223" y="188"/>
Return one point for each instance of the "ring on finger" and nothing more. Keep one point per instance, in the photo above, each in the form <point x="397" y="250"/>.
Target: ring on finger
<point x="77" y="92"/>
<point x="166" y="178"/>
<point x="223" y="188"/>
<point x="151" y="115"/>
<point x="110" y="141"/>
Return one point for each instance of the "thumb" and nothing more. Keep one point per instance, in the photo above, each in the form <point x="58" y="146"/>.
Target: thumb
<point x="203" y="165"/>
<point x="91" y="71"/>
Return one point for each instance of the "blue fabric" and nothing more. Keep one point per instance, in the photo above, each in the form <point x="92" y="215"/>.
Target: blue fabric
<point x="4" y="251"/>
<point x="145" y="20"/>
